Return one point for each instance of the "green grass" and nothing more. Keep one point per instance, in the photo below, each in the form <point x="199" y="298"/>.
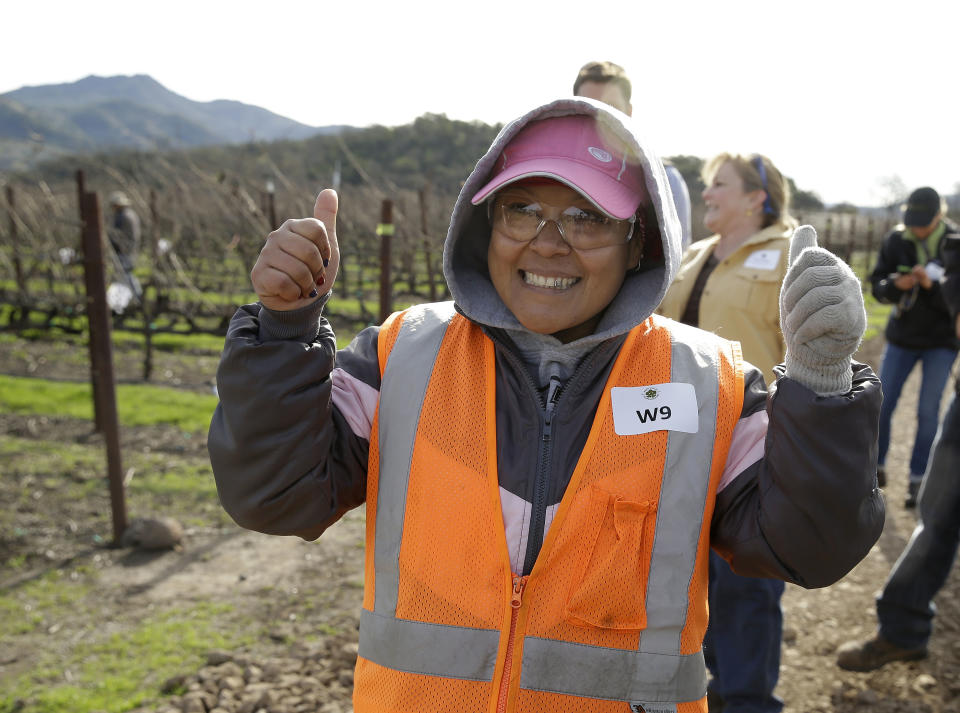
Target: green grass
<point x="877" y="315"/>
<point x="137" y="404"/>
<point x="28" y="607"/>
<point x="111" y="673"/>
<point x="42" y="460"/>
<point x="56" y="466"/>
<point x="171" y="341"/>
<point x="73" y="475"/>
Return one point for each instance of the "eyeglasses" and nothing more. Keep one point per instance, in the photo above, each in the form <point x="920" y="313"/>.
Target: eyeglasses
<point x="521" y="220"/>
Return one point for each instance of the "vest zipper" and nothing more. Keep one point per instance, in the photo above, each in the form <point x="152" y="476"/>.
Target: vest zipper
<point x="515" y="600"/>
<point x="538" y="508"/>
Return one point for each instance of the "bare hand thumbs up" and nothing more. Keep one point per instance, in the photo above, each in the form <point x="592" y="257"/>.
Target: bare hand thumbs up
<point x="299" y="260"/>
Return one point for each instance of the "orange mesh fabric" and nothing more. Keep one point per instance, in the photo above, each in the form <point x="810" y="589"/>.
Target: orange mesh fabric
<point x="387" y="337"/>
<point x="382" y="690"/>
<point x="597" y="562"/>
<point x="590" y="582"/>
<point x="451" y="571"/>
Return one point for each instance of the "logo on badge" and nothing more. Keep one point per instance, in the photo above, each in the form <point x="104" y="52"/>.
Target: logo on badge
<point x="650" y="393"/>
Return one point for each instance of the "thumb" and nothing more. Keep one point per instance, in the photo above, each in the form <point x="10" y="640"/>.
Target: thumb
<point x="803" y="237"/>
<point x="325" y="209"/>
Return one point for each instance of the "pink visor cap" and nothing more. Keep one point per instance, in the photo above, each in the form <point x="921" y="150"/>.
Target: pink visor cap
<point x="571" y="150"/>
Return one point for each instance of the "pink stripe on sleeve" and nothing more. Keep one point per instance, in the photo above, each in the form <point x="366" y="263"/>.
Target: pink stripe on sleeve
<point x="746" y="447"/>
<point x="355" y="400"/>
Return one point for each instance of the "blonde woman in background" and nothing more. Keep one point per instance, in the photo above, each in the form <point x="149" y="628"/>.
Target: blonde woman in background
<point x="729" y="284"/>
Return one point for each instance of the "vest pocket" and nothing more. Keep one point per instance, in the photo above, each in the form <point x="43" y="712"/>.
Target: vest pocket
<point x="610" y="591"/>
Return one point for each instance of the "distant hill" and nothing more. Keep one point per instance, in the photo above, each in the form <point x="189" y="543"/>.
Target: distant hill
<point x="106" y="113"/>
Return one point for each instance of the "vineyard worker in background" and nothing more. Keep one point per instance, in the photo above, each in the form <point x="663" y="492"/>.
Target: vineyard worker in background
<point x="609" y="83"/>
<point x="545" y="464"/>
<point x="905" y="608"/>
<point x="729" y="284"/>
<point x="907" y="275"/>
<point x="123" y="231"/>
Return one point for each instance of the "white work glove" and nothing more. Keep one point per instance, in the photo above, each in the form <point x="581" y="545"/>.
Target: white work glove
<point x="821" y="316"/>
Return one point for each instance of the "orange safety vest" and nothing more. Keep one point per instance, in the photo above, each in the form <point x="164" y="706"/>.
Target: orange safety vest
<point x="612" y="615"/>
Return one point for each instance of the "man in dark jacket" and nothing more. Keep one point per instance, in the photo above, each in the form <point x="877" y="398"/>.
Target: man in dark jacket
<point x="907" y="275"/>
<point x="905" y="608"/>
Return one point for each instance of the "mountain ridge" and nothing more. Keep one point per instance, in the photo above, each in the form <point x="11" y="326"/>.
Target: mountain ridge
<point x="99" y="113"/>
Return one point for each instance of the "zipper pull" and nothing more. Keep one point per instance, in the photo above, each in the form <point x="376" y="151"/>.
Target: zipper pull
<point x="553" y="395"/>
<point x="518" y="584"/>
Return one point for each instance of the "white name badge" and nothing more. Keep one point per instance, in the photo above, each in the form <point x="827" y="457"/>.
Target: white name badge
<point x="763" y="260"/>
<point x="659" y="407"/>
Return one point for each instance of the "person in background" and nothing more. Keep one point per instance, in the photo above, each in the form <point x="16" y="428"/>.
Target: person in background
<point x="123" y="231"/>
<point x="608" y="82"/>
<point x="905" y="608"/>
<point x="546" y="463"/>
<point x="730" y="284"/>
<point x="907" y="275"/>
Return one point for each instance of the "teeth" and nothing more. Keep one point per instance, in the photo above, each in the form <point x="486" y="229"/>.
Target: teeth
<point x="556" y="283"/>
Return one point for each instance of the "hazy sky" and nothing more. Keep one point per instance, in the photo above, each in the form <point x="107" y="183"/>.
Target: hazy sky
<point x="841" y="95"/>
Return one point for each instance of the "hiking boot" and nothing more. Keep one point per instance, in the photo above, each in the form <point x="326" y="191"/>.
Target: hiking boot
<point x="913" y="489"/>
<point x="874" y="653"/>
<point x="881" y="477"/>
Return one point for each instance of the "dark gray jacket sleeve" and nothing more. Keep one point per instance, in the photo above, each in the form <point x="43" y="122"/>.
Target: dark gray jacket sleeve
<point x="284" y="459"/>
<point x="809" y="510"/>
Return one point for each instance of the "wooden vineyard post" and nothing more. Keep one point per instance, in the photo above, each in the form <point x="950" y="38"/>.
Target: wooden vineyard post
<point x="385" y="230"/>
<point x="427" y="252"/>
<point x="104" y="392"/>
<point x="95" y="368"/>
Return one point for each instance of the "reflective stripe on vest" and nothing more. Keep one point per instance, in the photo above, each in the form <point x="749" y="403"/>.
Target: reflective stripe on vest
<point x="403" y="387"/>
<point x="656" y="670"/>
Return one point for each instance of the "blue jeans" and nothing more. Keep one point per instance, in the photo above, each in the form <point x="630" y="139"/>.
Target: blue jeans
<point x="742" y="644"/>
<point x="905" y="609"/>
<point x="897" y="364"/>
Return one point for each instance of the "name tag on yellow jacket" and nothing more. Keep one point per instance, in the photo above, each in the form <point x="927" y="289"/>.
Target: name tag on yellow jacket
<point x="763" y="260"/>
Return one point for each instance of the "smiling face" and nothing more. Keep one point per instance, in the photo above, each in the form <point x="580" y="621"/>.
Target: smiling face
<point x="729" y="208"/>
<point x="548" y="286"/>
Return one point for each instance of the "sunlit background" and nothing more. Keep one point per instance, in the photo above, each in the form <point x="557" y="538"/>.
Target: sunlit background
<point x="854" y="100"/>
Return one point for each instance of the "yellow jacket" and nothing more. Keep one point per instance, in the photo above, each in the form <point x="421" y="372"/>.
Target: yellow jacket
<point x="741" y="300"/>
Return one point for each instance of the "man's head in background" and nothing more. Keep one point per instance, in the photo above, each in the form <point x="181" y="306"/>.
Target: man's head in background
<point x="606" y="82"/>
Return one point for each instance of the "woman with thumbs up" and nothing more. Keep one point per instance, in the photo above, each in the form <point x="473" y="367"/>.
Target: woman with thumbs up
<point x="546" y="464"/>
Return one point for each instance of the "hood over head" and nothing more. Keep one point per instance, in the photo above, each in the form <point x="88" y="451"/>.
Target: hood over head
<point x="608" y="176"/>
